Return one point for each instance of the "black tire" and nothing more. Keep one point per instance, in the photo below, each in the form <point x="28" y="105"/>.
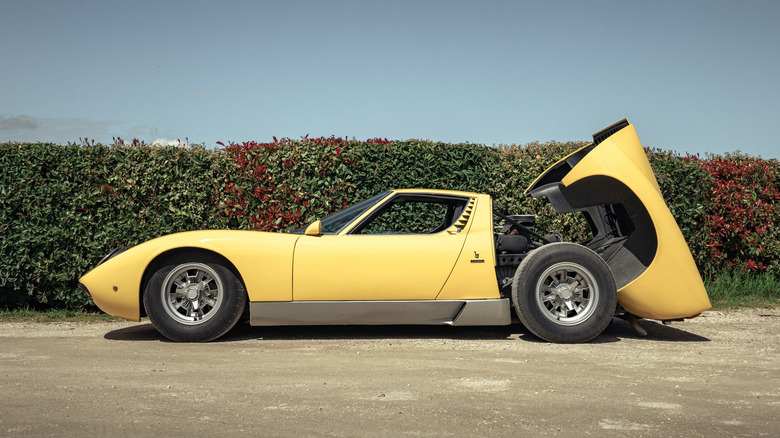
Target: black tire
<point x="564" y="293"/>
<point x="194" y="297"/>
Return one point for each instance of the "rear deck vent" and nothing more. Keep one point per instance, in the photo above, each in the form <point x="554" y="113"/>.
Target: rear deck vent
<point x="608" y="131"/>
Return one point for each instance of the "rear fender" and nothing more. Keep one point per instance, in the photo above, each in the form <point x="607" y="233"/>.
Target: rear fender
<point x="611" y="182"/>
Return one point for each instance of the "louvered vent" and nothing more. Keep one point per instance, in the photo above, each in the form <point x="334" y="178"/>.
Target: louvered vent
<point x="608" y="131"/>
<point x="464" y="218"/>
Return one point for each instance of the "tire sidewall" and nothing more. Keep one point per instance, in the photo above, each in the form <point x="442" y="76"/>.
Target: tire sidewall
<point x="227" y="314"/>
<point x="526" y="282"/>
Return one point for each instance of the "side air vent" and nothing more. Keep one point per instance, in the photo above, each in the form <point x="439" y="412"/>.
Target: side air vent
<point x="464" y="218"/>
<point x="608" y="131"/>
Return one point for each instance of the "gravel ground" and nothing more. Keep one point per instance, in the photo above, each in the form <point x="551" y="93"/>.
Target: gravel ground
<point x="716" y="375"/>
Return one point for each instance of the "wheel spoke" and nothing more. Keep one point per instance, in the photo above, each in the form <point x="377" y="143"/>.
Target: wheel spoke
<point x="208" y="301"/>
<point x="204" y="277"/>
<point x="191" y="276"/>
<point x="197" y="313"/>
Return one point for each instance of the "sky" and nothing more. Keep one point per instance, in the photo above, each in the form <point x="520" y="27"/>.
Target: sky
<point x="692" y="76"/>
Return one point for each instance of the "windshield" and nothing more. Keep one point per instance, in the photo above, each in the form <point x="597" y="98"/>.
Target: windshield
<point x="336" y="222"/>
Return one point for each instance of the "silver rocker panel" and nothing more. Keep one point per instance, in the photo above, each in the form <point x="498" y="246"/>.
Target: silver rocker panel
<point x="423" y="312"/>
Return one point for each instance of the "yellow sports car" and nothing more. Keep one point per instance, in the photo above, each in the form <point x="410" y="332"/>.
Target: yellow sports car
<point x="419" y="256"/>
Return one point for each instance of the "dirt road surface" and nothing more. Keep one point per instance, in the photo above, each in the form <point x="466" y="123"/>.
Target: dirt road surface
<point x="717" y="375"/>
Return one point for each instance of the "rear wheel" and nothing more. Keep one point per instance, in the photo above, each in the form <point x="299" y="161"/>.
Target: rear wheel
<point x="563" y="292"/>
<point x="194" y="298"/>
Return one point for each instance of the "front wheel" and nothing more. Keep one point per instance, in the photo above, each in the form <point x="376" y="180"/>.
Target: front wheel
<point x="564" y="292"/>
<point x="194" y="298"/>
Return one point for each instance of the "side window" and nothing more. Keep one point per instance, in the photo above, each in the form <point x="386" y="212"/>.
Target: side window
<point x="415" y="215"/>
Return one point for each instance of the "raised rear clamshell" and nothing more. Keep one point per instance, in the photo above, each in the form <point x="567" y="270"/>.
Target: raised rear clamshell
<point x="610" y="181"/>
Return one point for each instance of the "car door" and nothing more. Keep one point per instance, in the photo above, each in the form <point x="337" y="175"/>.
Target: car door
<point x="404" y="251"/>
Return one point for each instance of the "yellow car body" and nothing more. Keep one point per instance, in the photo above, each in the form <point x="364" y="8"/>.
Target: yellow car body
<point x="281" y="267"/>
<point x="351" y="270"/>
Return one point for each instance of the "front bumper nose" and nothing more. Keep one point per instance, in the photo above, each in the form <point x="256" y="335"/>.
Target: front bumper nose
<point x="85" y="290"/>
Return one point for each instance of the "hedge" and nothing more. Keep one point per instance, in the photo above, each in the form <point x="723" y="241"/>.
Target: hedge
<point x="63" y="207"/>
<point x="289" y="183"/>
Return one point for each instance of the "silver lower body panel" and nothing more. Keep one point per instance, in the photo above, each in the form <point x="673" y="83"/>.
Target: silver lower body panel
<point x="423" y="312"/>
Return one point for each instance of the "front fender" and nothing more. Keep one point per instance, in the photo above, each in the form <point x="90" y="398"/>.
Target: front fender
<point x="263" y="260"/>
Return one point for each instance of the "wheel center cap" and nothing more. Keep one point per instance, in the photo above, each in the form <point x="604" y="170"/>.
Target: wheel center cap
<point x="192" y="293"/>
<point x="564" y="291"/>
